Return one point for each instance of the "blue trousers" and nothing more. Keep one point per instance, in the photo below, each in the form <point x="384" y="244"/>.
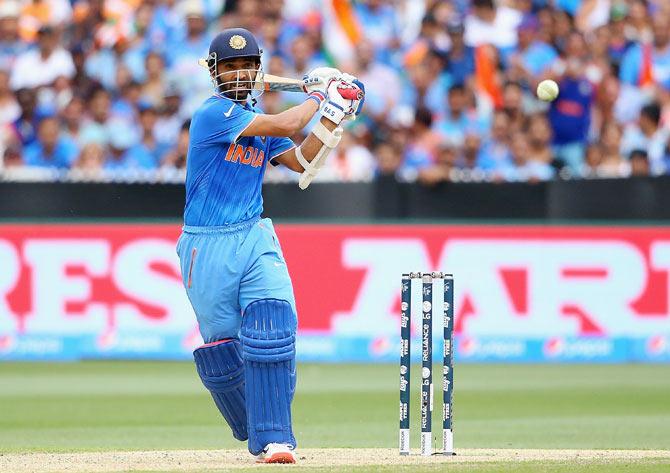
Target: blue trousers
<point x="224" y="269"/>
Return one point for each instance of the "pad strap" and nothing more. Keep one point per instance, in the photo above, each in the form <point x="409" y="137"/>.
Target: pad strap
<point x="327" y="137"/>
<point x="301" y="159"/>
<point x="330" y="140"/>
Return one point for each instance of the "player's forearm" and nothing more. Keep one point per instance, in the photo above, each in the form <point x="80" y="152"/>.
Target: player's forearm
<point x="309" y="147"/>
<point x="296" y="118"/>
<point x="312" y="144"/>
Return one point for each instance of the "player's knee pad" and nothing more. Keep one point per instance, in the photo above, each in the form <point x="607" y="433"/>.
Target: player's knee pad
<point x="268" y="331"/>
<point x="221" y="369"/>
<point x="268" y="348"/>
<point x="277" y="345"/>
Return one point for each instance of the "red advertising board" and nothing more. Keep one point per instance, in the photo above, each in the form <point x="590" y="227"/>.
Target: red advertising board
<point x="530" y="281"/>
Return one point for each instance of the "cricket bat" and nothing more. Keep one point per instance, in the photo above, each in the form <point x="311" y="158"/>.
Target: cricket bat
<point x="272" y="83"/>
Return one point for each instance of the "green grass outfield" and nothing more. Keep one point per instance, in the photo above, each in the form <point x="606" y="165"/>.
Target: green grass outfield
<point x="118" y="406"/>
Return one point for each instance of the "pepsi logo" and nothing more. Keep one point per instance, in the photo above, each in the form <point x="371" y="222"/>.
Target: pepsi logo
<point x="554" y="347"/>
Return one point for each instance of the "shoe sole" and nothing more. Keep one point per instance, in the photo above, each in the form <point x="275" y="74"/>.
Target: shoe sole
<point x="279" y="457"/>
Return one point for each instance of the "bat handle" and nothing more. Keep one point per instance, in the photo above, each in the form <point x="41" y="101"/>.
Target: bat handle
<point x="350" y="94"/>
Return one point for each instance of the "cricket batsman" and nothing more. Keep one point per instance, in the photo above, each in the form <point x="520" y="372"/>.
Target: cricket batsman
<point x="232" y="265"/>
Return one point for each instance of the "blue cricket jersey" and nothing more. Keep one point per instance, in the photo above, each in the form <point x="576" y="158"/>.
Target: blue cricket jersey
<point x="224" y="171"/>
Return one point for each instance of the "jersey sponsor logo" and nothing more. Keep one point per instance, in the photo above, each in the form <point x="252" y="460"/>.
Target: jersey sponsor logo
<point x="249" y="156"/>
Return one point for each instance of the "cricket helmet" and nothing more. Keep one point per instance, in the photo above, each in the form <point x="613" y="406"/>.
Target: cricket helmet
<point x="234" y="43"/>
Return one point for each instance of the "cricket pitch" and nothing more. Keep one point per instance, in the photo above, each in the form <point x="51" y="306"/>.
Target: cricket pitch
<point x="203" y="460"/>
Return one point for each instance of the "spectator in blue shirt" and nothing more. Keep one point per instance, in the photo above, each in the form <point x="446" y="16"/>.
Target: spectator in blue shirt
<point x="525" y="169"/>
<point x="460" y="58"/>
<point x="633" y="61"/>
<point x="95" y="126"/>
<point x="121" y="140"/>
<point x="148" y="152"/>
<point x="101" y="64"/>
<point x="471" y="152"/>
<point x="648" y="135"/>
<point x="570" y="117"/>
<point x="144" y="40"/>
<point x="194" y="42"/>
<point x="436" y="97"/>
<point x="532" y="56"/>
<point x="25" y="127"/>
<point x="379" y="101"/>
<point x="513" y="106"/>
<point x="271" y="31"/>
<point x="570" y="113"/>
<point x="422" y="148"/>
<point x="618" y="43"/>
<point x="303" y="57"/>
<point x="170" y="120"/>
<point x="124" y="105"/>
<point x="183" y="57"/>
<point x="10" y="43"/>
<point x="51" y="149"/>
<point x="378" y="20"/>
<point x="166" y="23"/>
<point x="82" y="83"/>
<point x="71" y="117"/>
<point x="495" y="152"/>
<point x="153" y="89"/>
<point x="458" y="120"/>
<point x="539" y="139"/>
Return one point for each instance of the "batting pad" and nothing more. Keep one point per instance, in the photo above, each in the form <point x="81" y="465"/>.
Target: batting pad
<point x="268" y="348"/>
<point x="221" y="370"/>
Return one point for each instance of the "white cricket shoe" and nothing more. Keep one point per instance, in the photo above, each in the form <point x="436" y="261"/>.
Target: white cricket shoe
<point x="276" y="453"/>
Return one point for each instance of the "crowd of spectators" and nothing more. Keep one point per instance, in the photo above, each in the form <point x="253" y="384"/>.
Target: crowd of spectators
<point x="103" y="89"/>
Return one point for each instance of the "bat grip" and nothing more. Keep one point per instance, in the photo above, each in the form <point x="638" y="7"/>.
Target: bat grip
<point x="350" y="94"/>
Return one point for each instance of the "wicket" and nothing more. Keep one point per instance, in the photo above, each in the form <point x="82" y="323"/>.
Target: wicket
<point x="428" y="285"/>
